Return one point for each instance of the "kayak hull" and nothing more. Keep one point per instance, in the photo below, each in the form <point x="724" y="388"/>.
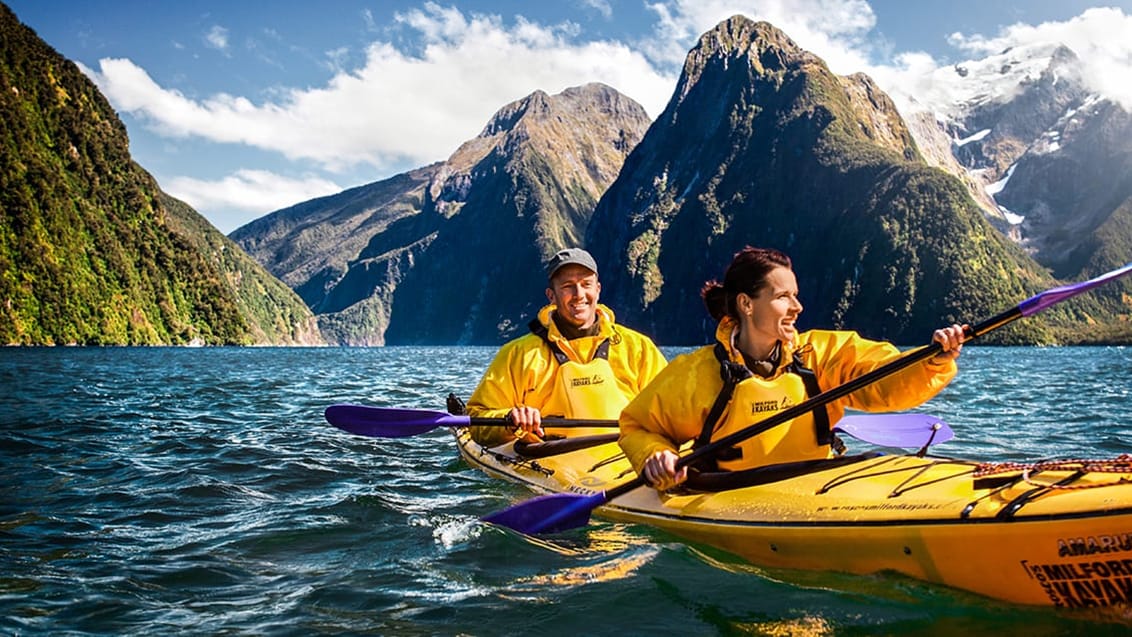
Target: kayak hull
<point x="1057" y="537"/>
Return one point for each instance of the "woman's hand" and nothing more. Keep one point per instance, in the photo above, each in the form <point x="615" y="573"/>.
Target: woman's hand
<point x="660" y="470"/>
<point x="950" y="340"/>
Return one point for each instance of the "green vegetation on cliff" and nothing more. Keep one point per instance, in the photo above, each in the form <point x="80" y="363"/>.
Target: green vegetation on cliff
<point x="90" y="252"/>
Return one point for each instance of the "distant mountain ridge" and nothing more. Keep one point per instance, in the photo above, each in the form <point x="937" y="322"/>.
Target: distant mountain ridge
<point x="457" y="247"/>
<point x="91" y="251"/>
<point x="760" y="144"/>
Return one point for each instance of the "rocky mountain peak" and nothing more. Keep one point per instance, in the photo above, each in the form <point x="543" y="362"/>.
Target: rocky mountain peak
<point x="506" y="118"/>
<point x="966" y="87"/>
<point x="1004" y="101"/>
<point x="761" y="45"/>
<point x="740" y="36"/>
<point x="1047" y="153"/>
<point x="574" y="102"/>
<point x="587" y="128"/>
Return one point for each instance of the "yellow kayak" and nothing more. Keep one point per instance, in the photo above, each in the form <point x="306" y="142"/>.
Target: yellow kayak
<point x="1054" y="533"/>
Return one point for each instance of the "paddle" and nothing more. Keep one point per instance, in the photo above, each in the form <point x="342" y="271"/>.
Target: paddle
<point x="895" y="430"/>
<point x="398" y="422"/>
<point x="562" y="511"/>
<point x="888" y="430"/>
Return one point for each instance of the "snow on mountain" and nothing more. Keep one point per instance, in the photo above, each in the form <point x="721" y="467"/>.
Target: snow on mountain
<point x="955" y="90"/>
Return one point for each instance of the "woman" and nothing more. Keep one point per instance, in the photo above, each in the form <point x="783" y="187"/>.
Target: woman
<point x="761" y="365"/>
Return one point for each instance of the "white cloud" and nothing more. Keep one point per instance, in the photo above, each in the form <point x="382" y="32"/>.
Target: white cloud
<point x="255" y="191"/>
<point x="1101" y="38"/>
<point x="397" y="107"/>
<point x="217" y="38"/>
<point x="601" y="6"/>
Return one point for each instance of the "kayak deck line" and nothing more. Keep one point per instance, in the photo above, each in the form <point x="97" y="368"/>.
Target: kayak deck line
<point x="554" y="447"/>
<point x="1119" y="464"/>
<point x="902" y="487"/>
<point x="515" y="460"/>
<point x="958" y="522"/>
<point x="1010" y="510"/>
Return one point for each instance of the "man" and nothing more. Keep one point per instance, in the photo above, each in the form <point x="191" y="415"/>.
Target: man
<point x="575" y="363"/>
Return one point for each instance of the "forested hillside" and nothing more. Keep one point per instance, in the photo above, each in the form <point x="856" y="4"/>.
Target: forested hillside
<point x="91" y="251"/>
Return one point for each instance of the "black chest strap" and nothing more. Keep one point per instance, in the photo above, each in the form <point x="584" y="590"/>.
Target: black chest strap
<point x="732" y="373"/>
<point x="822" y="428"/>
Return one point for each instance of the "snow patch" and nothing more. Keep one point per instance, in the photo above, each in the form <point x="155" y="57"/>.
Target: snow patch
<point x="996" y="187"/>
<point x="996" y="79"/>
<point x="972" y="138"/>
<point x="1049" y="142"/>
<point x="1012" y="218"/>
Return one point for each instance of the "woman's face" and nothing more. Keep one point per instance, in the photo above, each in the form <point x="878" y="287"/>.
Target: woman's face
<point x="769" y="316"/>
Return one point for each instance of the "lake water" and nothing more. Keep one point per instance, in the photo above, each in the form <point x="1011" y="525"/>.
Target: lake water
<point x="200" y="491"/>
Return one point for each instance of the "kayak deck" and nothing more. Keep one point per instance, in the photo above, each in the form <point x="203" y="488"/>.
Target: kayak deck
<point x="1058" y="537"/>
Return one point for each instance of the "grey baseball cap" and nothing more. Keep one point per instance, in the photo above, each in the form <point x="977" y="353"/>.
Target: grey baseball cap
<point x="575" y="256"/>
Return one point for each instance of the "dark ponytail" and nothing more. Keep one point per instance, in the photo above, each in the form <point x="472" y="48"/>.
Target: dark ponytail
<point x="715" y="299"/>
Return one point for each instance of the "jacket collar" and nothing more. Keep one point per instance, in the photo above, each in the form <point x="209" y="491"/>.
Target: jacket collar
<point x="727" y="333"/>
<point x="605" y="321"/>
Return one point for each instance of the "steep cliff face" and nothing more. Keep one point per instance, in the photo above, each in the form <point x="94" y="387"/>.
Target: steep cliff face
<point x="453" y="253"/>
<point x="762" y="145"/>
<point x="273" y="312"/>
<point x="936" y="147"/>
<point x="551" y="158"/>
<point x="91" y="251"/>
<point x="1069" y="184"/>
<point x="322" y="249"/>
<point x="1054" y="157"/>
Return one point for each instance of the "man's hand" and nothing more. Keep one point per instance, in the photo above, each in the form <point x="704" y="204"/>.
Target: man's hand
<point x="660" y="470"/>
<point x="528" y="423"/>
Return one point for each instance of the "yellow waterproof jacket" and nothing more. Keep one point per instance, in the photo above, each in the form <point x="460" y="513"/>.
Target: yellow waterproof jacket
<point x="525" y="372"/>
<point x="672" y="409"/>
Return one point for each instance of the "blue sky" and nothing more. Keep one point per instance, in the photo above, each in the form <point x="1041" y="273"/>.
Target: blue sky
<point x="241" y="107"/>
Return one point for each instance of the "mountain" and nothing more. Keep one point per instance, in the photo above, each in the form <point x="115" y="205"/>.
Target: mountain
<point x="761" y="144"/>
<point x="892" y="232"/>
<point x="453" y="252"/>
<point x="321" y="249"/>
<point x="92" y="252"/>
<point x="1056" y="158"/>
<point x="1073" y="189"/>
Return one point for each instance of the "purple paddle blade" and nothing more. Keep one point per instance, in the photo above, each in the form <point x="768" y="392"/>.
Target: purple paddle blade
<point x="389" y="422"/>
<point x="1041" y="301"/>
<point x="895" y="430"/>
<point x="548" y="513"/>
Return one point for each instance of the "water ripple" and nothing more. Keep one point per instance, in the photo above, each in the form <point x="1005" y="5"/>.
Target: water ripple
<point x="200" y="491"/>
